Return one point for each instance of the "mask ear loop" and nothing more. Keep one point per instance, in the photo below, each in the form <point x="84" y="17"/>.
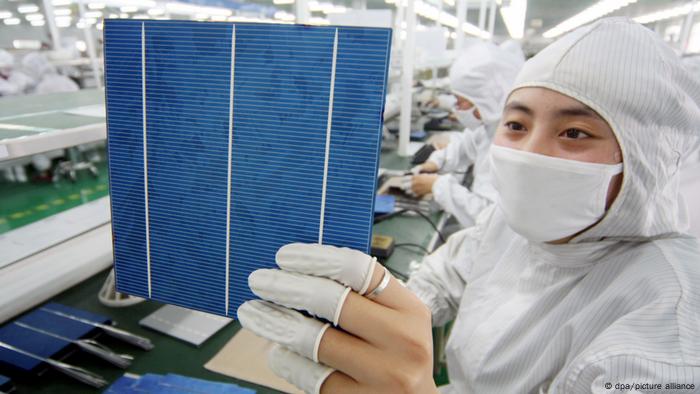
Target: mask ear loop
<point x="617" y="156"/>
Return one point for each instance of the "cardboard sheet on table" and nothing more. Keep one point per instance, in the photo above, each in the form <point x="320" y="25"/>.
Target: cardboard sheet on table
<point x="245" y="357"/>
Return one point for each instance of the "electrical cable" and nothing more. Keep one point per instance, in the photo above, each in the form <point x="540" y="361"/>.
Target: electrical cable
<point x="421" y="247"/>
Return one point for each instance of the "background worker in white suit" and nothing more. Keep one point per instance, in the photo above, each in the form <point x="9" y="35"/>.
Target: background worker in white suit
<point x="480" y="79"/>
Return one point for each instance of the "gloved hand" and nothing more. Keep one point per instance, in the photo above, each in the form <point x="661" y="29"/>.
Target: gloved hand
<point x="373" y="345"/>
<point x="417" y="169"/>
<point x="407" y="185"/>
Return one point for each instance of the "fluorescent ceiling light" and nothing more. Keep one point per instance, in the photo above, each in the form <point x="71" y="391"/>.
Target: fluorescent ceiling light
<point x="129" y="8"/>
<point x="156" y="11"/>
<point x="281" y="2"/>
<point x="319" y="21"/>
<point x="667" y="13"/>
<point x="591" y="13"/>
<point x="27" y="8"/>
<point x="96" y="6"/>
<point x="514" y="17"/>
<point x="335" y="9"/>
<point x="475" y="31"/>
<point x="62" y="11"/>
<point x="314" y="6"/>
<point x="34" y="17"/>
<point x="445" y="18"/>
<point x="284" y="16"/>
<point x="189" y="9"/>
<point x="93" y="14"/>
<point x="26" y="44"/>
<point x="37" y="23"/>
<point x="58" y="3"/>
<point x="5" y="14"/>
<point x="11" y="21"/>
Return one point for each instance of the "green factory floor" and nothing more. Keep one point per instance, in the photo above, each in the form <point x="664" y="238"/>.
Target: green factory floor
<point x="24" y="203"/>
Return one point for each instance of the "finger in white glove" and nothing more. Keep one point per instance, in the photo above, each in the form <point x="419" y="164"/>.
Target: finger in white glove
<point x="407" y="185"/>
<point x="297" y="370"/>
<point x="284" y="326"/>
<point x="320" y="297"/>
<point x="347" y="266"/>
<point x="415" y="170"/>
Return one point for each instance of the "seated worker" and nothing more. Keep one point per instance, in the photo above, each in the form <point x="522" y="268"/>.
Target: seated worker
<point x="12" y="81"/>
<point x="580" y="279"/>
<point x="46" y="75"/>
<point x="480" y="79"/>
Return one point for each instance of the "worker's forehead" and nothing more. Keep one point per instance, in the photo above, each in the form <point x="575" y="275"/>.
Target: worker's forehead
<point x="537" y="100"/>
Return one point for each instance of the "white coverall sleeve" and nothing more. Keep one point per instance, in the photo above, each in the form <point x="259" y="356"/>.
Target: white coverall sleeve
<point x="446" y="101"/>
<point x="442" y="277"/>
<point x="458" y="200"/>
<point x="627" y="373"/>
<point x="461" y="152"/>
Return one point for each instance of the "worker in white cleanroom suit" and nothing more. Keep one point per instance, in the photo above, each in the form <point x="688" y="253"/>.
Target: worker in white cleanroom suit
<point x="48" y="80"/>
<point x="480" y="79"/>
<point x="580" y="278"/>
<point x="12" y="81"/>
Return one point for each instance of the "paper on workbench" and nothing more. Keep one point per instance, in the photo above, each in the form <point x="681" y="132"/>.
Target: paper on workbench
<point x="244" y="357"/>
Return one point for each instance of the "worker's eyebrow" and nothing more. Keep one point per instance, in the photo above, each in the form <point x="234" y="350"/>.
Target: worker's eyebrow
<point x="580" y="110"/>
<point x="518" y="106"/>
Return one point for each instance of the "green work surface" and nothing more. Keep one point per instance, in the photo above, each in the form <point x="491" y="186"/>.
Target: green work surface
<point x="43" y="123"/>
<point x="30" y="115"/>
<point x="24" y="203"/>
<point x="17" y="107"/>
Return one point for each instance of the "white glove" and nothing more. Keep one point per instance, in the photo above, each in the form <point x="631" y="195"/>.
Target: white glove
<point x="313" y="279"/>
<point x="347" y="266"/>
<point x="415" y="170"/>
<point x="284" y="326"/>
<point x="407" y="185"/>
<point x="299" y="371"/>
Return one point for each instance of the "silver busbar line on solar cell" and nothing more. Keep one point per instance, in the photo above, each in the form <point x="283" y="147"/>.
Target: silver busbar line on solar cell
<point x="228" y="140"/>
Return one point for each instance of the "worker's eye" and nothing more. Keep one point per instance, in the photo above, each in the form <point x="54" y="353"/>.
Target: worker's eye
<point x="575" y="134"/>
<point x="515" y="126"/>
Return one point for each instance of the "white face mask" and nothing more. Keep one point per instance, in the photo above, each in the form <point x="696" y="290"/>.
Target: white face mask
<point x="467" y="118"/>
<point x="546" y="198"/>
